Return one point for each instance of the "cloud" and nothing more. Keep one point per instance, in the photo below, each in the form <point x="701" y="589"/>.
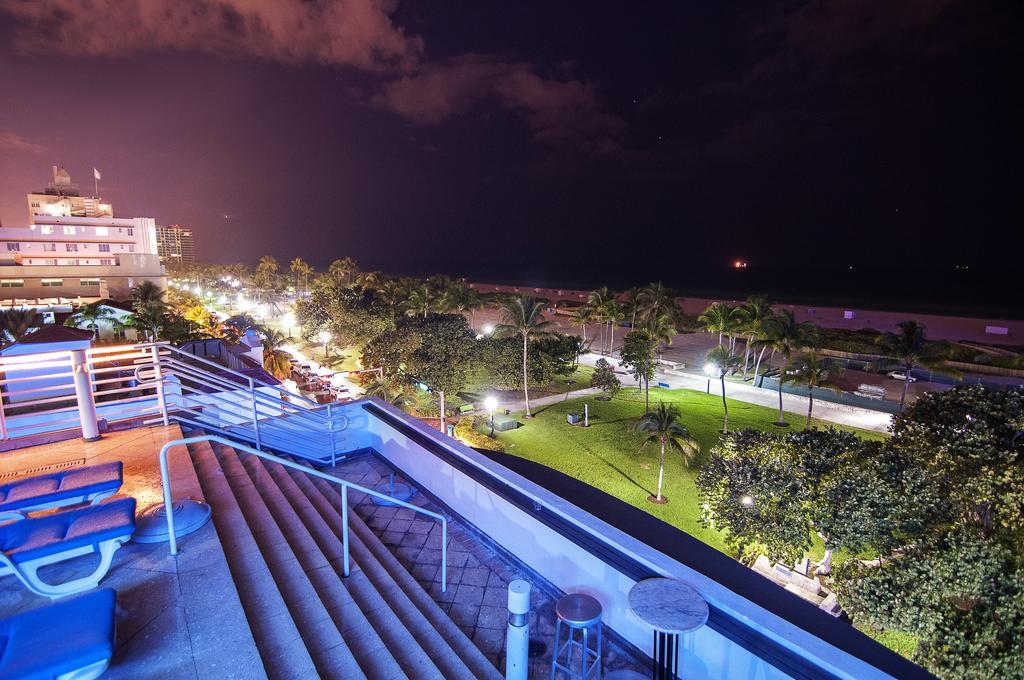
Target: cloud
<point x="564" y="113"/>
<point x="357" y="33"/>
<point x="10" y="141"/>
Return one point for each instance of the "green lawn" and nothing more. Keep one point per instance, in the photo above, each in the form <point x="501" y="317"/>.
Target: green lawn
<point x="481" y="382"/>
<point x="607" y="455"/>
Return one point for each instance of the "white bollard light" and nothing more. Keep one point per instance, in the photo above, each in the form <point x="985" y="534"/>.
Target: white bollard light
<point x="517" y="640"/>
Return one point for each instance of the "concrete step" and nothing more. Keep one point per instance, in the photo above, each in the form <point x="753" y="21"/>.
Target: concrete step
<point x="458" y="656"/>
<point x="273" y="628"/>
<point x="278" y="534"/>
<point x="353" y="612"/>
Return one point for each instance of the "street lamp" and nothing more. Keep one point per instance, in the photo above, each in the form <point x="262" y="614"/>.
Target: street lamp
<point x="747" y="501"/>
<point x="325" y="337"/>
<point x="491" y="403"/>
<point x="710" y="370"/>
<point x="488" y="328"/>
<point x="289" y="321"/>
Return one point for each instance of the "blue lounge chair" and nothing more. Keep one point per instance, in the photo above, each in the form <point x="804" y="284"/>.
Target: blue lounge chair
<point x="68" y="640"/>
<point x="32" y="543"/>
<point x="89" y="484"/>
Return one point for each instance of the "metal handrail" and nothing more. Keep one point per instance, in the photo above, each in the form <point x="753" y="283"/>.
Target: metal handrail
<point x="165" y="479"/>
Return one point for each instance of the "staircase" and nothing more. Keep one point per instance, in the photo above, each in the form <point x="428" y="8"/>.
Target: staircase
<point x="281" y="534"/>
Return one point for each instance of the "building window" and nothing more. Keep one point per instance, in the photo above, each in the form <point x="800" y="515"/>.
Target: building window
<point x="52" y="263"/>
<point x="104" y="247"/>
<point x="52" y="283"/>
<point x="13" y="247"/>
<point x="102" y="231"/>
<point x="74" y="263"/>
<point x="50" y="247"/>
<point x="107" y="263"/>
<point x="12" y="283"/>
<point x="71" y="247"/>
<point x="131" y="232"/>
<point x="131" y="249"/>
<point x="70" y="231"/>
<point x="88" y="282"/>
<point x="46" y="229"/>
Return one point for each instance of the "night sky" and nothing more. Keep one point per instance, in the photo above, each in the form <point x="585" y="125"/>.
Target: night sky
<point x="556" y="142"/>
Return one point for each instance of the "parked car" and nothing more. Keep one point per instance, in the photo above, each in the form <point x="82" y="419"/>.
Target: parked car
<point x="900" y="375"/>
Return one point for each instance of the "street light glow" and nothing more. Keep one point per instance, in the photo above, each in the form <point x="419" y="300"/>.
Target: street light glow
<point x="490" y="403"/>
<point x="488" y="328"/>
<point x="747" y="501"/>
<point x="325" y="337"/>
<point x="710" y="370"/>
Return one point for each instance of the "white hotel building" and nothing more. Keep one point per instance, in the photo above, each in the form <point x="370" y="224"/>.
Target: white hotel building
<point x="74" y="247"/>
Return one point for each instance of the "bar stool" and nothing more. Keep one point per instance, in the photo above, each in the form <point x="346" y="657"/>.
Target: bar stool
<point x="578" y="612"/>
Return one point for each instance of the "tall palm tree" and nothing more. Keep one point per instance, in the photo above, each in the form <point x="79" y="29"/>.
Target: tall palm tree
<point x="907" y="349"/>
<point x="523" y="316"/>
<point x="720" y="318"/>
<point x="631" y="304"/>
<point x="724" y="360"/>
<point x="301" y="270"/>
<point x="393" y="293"/>
<point x="597" y="300"/>
<point x="756" y="311"/>
<point x="656" y="300"/>
<point x="17" y="323"/>
<point x="89" y="316"/>
<point x="344" y="269"/>
<point x="267" y="272"/>
<point x="613" y="315"/>
<point x="275" y="360"/>
<point x="785" y="336"/>
<point x="148" y="309"/>
<point x="662" y="426"/>
<point x="811" y="370"/>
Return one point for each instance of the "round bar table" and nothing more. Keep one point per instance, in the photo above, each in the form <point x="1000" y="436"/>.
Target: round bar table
<point x="671" y="607"/>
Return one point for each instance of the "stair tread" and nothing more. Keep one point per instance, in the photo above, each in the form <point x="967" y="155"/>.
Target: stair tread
<point x="418" y="602"/>
<point x="263" y="604"/>
<point x="327" y="646"/>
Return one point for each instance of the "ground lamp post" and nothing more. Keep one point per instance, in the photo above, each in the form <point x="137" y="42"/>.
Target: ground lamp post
<point x="289" y="321"/>
<point x="710" y="370"/>
<point x="325" y="337"/>
<point x="490" y="403"/>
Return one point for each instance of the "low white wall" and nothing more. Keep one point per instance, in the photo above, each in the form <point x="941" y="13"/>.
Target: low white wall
<point x="706" y="653"/>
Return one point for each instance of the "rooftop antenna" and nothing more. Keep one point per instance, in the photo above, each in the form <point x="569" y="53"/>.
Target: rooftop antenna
<point x="96" y="177"/>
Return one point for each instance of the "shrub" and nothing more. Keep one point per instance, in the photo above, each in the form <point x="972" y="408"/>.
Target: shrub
<point x="467" y="433"/>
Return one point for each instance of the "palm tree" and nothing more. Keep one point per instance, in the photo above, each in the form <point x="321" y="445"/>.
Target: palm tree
<point x="598" y="302"/>
<point x="267" y="271"/>
<point x="662" y="426"/>
<point x="583" y="315"/>
<point x="907" y="349"/>
<point x="613" y="315"/>
<point x="301" y="270"/>
<point x="657" y="300"/>
<point x="725" y="360"/>
<point x="719" y="318"/>
<point x="391" y="392"/>
<point x="755" y="312"/>
<point x="811" y="370"/>
<point x="632" y="304"/>
<point x="523" y="316"/>
<point x="393" y="293"/>
<point x="344" y="269"/>
<point x="148" y="309"/>
<point x="89" y="316"/>
<point x="784" y="335"/>
<point x="17" y="323"/>
<point x="419" y="300"/>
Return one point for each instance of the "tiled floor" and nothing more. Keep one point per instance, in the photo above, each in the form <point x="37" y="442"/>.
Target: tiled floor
<point x="478" y="578"/>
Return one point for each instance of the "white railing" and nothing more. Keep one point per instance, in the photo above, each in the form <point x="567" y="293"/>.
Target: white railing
<point x="62" y="390"/>
<point x="345" y="485"/>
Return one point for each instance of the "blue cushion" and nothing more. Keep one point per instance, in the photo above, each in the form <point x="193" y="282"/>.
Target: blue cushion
<point x="35" y="537"/>
<point x="59" y="638"/>
<point x="57" y="486"/>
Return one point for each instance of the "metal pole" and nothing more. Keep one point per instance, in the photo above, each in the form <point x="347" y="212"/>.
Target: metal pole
<point x="255" y="414"/>
<point x="3" y="416"/>
<point x="586" y="415"/>
<point x="330" y="428"/>
<point x="441" y="392"/>
<point x="517" y="635"/>
<point x="168" y="505"/>
<point x="83" y="394"/>
<point x="444" y="555"/>
<point x="344" y="526"/>
<point x="159" y="377"/>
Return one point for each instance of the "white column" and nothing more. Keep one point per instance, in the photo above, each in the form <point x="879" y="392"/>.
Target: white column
<point x="83" y="393"/>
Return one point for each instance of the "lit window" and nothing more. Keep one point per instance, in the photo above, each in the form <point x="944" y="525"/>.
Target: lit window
<point x="46" y="229"/>
<point x="50" y="247"/>
<point x="88" y="282"/>
<point x="71" y="247"/>
<point x="52" y="283"/>
<point x="12" y="283"/>
<point x="102" y="231"/>
<point x="13" y="247"/>
<point x="70" y="231"/>
<point x="104" y="247"/>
